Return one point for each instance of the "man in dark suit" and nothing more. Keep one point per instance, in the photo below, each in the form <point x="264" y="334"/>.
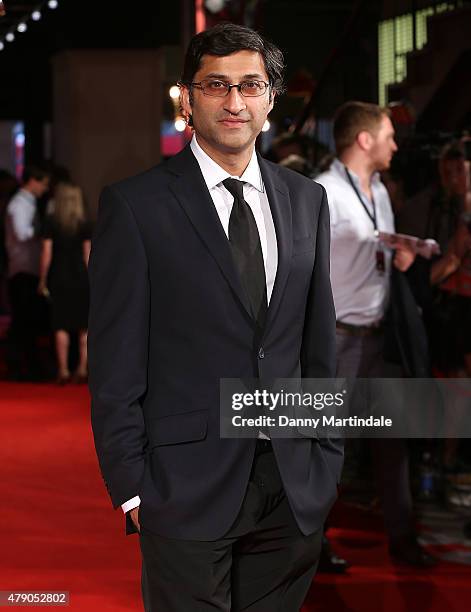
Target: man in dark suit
<point x="213" y="265"/>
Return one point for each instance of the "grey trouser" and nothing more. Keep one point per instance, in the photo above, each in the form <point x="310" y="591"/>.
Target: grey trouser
<point x="362" y="357"/>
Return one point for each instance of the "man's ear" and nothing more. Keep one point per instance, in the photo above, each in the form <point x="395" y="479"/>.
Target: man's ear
<point x="364" y="140"/>
<point x="271" y="101"/>
<point x="185" y="101"/>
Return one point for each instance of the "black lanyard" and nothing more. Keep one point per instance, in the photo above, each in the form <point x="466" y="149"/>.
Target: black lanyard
<point x="372" y="217"/>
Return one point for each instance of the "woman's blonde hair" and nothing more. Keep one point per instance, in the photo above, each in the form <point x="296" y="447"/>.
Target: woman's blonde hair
<point x="69" y="209"/>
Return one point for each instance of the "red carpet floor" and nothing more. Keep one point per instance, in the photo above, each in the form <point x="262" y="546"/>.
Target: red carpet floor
<point x="59" y="532"/>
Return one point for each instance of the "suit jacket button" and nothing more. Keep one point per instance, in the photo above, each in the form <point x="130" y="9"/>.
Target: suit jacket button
<point x="261" y="353"/>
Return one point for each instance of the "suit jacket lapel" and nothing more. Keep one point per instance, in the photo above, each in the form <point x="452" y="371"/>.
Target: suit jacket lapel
<point x="192" y="194"/>
<point x="280" y="206"/>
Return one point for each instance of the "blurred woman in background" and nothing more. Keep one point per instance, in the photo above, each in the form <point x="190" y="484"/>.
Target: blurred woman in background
<point x="63" y="275"/>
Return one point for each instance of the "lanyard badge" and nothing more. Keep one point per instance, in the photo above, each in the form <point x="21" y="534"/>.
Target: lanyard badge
<point x="380" y="258"/>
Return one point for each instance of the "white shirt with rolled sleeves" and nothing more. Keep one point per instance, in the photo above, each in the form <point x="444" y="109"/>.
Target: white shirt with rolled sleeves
<point x="361" y="292"/>
<point x="256" y="197"/>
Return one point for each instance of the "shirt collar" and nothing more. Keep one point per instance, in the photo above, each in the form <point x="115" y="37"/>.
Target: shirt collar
<point x="213" y="174"/>
<point x="340" y="169"/>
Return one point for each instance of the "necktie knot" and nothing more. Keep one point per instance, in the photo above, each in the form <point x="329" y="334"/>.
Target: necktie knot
<point x="234" y="187"/>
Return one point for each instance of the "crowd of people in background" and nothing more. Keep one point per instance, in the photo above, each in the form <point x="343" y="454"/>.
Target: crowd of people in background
<point x="364" y="196"/>
<point x="45" y="245"/>
<point x="46" y="239"/>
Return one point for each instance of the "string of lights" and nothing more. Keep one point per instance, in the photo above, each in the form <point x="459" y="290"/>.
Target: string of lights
<point x="22" y="24"/>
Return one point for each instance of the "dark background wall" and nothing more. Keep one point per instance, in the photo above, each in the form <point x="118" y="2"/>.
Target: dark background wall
<point x="307" y="30"/>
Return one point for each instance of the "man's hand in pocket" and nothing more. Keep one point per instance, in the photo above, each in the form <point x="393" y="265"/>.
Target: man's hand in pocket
<point x="134" y="514"/>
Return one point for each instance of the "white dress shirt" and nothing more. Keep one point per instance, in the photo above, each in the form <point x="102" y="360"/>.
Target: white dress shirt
<point x="360" y="291"/>
<point x="256" y="197"/>
<point x="22" y="244"/>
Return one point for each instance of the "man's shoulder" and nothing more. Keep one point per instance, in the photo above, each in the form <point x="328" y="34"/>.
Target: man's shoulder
<point x="329" y="179"/>
<point x="16" y="200"/>
<point x="151" y="181"/>
<point x="334" y="187"/>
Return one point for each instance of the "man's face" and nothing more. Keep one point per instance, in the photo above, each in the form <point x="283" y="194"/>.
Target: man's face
<point x="39" y="188"/>
<point x="383" y="145"/>
<point x="230" y="124"/>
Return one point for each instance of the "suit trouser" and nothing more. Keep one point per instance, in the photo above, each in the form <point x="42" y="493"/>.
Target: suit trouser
<point x="22" y="350"/>
<point x="362" y="357"/>
<point x="263" y="564"/>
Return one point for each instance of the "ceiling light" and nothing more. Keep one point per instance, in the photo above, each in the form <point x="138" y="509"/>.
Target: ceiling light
<point x="53" y="4"/>
<point x="214" y="6"/>
<point x="22" y="27"/>
<point x="10" y="37"/>
<point x="36" y="15"/>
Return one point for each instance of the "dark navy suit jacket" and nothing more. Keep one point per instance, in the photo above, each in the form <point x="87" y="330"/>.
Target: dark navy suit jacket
<point x="169" y="319"/>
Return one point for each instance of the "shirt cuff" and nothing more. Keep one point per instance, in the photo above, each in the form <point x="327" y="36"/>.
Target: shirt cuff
<point x="131" y="504"/>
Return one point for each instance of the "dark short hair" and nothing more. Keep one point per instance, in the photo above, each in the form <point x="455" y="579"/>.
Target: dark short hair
<point x="36" y="172"/>
<point x="354" y="117"/>
<point x="226" y="38"/>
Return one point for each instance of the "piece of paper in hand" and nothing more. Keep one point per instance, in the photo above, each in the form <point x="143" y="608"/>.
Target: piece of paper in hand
<point x="425" y="248"/>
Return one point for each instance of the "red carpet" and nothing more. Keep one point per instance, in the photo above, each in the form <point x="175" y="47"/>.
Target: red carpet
<point x="374" y="584"/>
<point x="59" y="531"/>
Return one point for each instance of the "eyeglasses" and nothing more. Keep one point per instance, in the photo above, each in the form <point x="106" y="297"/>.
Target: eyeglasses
<point x="220" y="89"/>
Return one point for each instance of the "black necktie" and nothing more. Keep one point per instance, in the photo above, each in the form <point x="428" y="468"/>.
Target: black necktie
<point x="247" y="250"/>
